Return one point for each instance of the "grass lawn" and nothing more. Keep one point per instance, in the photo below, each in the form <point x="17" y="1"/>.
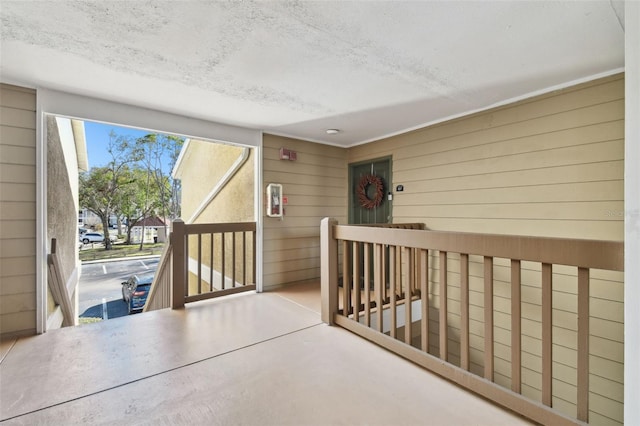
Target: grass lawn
<point x="121" y="250"/>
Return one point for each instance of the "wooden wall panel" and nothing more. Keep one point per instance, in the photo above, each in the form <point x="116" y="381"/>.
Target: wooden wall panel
<point x="315" y="185"/>
<point x="553" y="166"/>
<point x="17" y="211"/>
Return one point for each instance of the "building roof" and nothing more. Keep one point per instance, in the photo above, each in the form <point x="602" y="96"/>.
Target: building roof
<point x="150" y="222"/>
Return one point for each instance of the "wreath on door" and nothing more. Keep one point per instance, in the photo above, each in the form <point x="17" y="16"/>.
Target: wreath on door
<point x="361" y="191"/>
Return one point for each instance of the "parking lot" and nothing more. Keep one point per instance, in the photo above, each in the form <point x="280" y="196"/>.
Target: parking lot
<point x="100" y="288"/>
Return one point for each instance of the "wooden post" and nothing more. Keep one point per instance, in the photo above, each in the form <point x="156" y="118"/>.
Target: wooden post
<point x="444" y="330"/>
<point x="346" y="277"/>
<point x="407" y="296"/>
<point x="424" y="295"/>
<point x="366" y="267"/>
<point x="547" y="333"/>
<point x="328" y="270"/>
<point x="516" y="326"/>
<point x="356" y="281"/>
<point x="178" y="242"/>
<point x="393" y="262"/>
<point x="464" y="312"/>
<point x="583" y="345"/>
<point x="488" y="318"/>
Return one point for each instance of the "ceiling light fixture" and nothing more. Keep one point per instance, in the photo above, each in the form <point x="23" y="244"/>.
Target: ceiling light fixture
<point x="333" y="131"/>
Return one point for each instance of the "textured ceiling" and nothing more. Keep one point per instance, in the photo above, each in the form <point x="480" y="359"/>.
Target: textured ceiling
<point x="369" y="69"/>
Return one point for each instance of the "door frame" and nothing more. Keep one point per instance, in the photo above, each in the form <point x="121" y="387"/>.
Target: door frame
<point x="351" y="194"/>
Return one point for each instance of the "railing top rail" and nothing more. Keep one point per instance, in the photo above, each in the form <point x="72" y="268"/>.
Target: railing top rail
<point x="412" y="225"/>
<point x="207" y="228"/>
<point x="608" y="255"/>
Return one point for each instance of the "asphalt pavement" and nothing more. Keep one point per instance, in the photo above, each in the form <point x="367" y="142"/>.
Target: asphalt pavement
<point x="100" y="287"/>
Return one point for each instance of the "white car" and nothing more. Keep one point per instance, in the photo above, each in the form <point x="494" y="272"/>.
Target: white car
<point x="95" y="237"/>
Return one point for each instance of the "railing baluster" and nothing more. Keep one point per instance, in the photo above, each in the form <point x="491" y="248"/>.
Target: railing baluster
<point x="367" y="286"/>
<point x="346" y="276"/>
<point x="547" y="332"/>
<point x="383" y="268"/>
<point x="424" y="302"/>
<point x="392" y="291"/>
<point x="356" y="280"/>
<point x="583" y="344"/>
<point x="199" y="263"/>
<point x="186" y="266"/>
<point x="244" y="258"/>
<point x="407" y="299"/>
<point x="233" y="259"/>
<point x="464" y="311"/>
<point x="516" y="327"/>
<point x="488" y="318"/>
<point x="223" y="259"/>
<point x="253" y="267"/>
<point x="211" y="265"/>
<point x="377" y="284"/>
<point x="444" y="332"/>
<point x="416" y="268"/>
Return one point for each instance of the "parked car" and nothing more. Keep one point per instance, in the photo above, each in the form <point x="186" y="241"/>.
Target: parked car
<point x="135" y="291"/>
<point x="95" y="237"/>
<point x="92" y="237"/>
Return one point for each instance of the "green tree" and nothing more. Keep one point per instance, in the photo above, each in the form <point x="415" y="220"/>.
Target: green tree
<point x="136" y="201"/>
<point x="101" y="188"/>
<point x="156" y="149"/>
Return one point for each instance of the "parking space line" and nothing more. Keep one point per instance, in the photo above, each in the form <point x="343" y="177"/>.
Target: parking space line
<point x="144" y="264"/>
<point x="104" y="269"/>
<point x="105" y="312"/>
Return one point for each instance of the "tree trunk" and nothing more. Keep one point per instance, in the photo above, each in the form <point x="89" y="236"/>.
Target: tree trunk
<point x="105" y="230"/>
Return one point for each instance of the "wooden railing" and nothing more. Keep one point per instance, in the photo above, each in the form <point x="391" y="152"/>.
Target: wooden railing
<point x="160" y="293"/>
<point x="400" y="275"/>
<point x="212" y="260"/>
<point x="203" y="261"/>
<point x="61" y="290"/>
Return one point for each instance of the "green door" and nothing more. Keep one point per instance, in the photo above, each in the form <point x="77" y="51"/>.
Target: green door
<point x="366" y="203"/>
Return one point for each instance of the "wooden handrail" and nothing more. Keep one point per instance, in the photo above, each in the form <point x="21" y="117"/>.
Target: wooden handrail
<point x="160" y="293"/>
<point x="196" y="244"/>
<point x="399" y="261"/>
<point x="60" y="289"/>
<point x="596" y="254"/>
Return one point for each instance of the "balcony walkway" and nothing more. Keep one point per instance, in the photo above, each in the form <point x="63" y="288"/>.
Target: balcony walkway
<point x="253" y="359"/>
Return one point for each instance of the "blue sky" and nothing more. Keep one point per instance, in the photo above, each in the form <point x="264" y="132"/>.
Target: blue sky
<point x="97" y="137"/>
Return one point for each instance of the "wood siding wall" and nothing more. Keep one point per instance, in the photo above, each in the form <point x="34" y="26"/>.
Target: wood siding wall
<point x="315" y="185"/>
<point x="552" y="166"/>
<point x="17" y="211"/>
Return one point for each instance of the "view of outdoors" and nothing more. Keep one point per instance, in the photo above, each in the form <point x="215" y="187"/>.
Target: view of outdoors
<point x="127" y="201"/>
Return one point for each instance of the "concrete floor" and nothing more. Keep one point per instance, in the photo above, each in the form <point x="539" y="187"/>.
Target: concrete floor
<point x="252" y="359"/>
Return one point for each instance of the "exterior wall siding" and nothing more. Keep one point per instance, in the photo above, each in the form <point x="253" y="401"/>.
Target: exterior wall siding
<point x="17" y="211"/>
<point x="316" y="187"/>
<point x="552" y="166"/>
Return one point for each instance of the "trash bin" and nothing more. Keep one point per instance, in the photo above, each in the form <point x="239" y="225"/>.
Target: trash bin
<point x="155" y="239"/>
